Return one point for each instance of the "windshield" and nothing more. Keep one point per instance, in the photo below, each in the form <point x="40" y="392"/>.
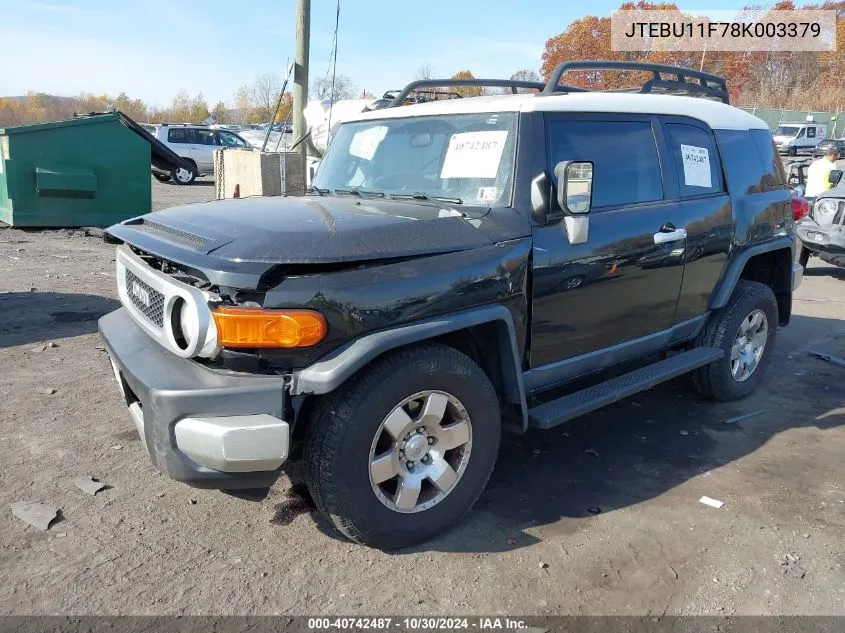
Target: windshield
<point x="462" y="158"/>
<point x="787" y="130"/>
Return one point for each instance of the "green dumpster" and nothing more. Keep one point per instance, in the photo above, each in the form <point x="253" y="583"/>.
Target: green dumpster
<point x="87" y="171"/>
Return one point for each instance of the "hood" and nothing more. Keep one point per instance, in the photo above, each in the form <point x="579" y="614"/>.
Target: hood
<point x="252" y="234"/>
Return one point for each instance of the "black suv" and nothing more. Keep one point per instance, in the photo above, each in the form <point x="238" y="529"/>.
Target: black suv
<point x="461" y="267"/>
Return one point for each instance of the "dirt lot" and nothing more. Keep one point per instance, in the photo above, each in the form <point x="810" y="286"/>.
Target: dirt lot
<point x="148" y="545"/>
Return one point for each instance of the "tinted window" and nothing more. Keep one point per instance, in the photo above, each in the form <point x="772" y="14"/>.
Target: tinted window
<point x="695" y="158"/>
<point x="202" y="137"/>
<point x="626" y="169"/>
<point x="773" y="173"/>
<point x="744" y="168"/>
<point x="178" y="135"/>
<point x="811" y="132"/>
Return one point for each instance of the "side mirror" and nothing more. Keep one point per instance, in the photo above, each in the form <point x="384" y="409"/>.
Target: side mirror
<point x="574" y="181"/>
<point x="835" y="176"/>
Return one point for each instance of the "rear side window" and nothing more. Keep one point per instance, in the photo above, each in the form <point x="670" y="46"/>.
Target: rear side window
<point x="695" y="158"/>
<point x="745" y="168"/>
<point x="811" y="132"/>
<point x="177" y="135"/>
<point x="773" y="176"/>
<point x="626" y="169"/>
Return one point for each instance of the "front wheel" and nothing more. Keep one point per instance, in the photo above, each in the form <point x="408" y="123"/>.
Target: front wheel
<point x="745" y="329"/>
<point x="402" y="452"/>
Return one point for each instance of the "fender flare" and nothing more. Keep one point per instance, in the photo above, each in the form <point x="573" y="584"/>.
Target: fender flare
<point x="330" y="372"/>
<point x="722" y="294"/>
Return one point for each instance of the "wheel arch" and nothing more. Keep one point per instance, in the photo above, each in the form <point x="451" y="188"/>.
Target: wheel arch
<point x="770" y="264"/>
<point x="486" y="335"/>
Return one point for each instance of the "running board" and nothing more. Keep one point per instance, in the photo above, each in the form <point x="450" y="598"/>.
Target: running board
<point x="576" y="404"/>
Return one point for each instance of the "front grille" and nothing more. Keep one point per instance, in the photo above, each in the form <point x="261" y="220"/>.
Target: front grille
<point x="147" y="300"/>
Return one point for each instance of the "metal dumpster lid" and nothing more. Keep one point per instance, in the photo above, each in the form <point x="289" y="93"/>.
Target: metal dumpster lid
<point x="160" y="155"/>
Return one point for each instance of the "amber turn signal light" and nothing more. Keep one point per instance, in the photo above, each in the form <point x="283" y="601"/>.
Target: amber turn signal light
<point x="255" y="327"/>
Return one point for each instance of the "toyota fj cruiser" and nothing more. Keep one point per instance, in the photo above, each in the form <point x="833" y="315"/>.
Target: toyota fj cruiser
<point x="461" y="266"/>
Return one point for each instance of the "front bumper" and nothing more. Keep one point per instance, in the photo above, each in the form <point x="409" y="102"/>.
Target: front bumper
<point x="207" y="428"/>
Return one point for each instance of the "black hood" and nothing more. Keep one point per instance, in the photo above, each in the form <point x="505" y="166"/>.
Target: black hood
<point x="248" y="234"/>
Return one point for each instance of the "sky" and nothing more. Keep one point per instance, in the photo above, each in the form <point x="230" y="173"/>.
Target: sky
<point x="150" y="49"/>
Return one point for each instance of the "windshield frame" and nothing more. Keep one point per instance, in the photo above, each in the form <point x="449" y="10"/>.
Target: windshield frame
<point x="509" y="158"/>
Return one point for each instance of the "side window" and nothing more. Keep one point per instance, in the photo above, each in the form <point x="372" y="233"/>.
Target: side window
<point x="626" y="169"/>
<point x="773" y="175"/>
<point x="227" y="139"/>
<point x="203" y="137"/>
<point x="811" y="132"/>
<point x="801" y="133"/>
<point x="696" y="160"/>
<point x="177" y="135"/>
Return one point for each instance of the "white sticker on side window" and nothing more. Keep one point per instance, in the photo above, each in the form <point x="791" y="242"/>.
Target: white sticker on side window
<point x="696" y="166"/>
<point x="474" y="154"/>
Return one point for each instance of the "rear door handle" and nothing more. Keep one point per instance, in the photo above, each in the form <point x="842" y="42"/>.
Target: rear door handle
<point x="661" y="237"/>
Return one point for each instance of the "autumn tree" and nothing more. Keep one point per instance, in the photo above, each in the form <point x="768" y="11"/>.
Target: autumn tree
<point x="467" y="91"/>
<point x="220" y="113"/>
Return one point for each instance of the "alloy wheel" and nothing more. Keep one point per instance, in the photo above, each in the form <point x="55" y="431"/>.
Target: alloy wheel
<point x="420" y="451"/>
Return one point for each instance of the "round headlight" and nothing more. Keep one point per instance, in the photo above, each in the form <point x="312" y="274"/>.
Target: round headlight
<point x="824" y="210"/>
<point x="184" y="323"/>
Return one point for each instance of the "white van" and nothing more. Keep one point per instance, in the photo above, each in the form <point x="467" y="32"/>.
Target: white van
<point x="792" y="138"/>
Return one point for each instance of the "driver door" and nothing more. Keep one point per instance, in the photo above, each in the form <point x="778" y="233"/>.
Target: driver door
<point x="612" y="294"/>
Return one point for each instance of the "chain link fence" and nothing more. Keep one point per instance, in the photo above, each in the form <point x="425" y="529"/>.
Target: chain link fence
<point x="835" y="121"/>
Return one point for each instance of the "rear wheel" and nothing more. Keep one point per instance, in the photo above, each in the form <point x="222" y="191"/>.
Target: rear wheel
<point x="745" y="329"/>
<point x="403" y="451"/>
<point x="183" y="176"/>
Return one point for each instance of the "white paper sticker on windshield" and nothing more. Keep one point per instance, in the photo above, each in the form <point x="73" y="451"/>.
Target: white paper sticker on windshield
<point x="474" y="154"/>
<point x="487" y="194"/>
<point x="365" y="143"/>
<point x="696" y="166"/>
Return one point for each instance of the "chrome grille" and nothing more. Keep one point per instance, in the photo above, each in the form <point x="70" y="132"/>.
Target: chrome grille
<point x="147" y="300"/>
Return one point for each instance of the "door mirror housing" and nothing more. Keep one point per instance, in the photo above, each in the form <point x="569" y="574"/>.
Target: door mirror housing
<point x="574" y="181"/>
<point x="835" y="176"/>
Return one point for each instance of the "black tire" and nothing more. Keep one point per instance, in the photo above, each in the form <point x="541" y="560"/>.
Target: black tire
<point x="178" y="175"/>
<point x="343" y="426"/>
<point x="716" y="381"/>
<point x="804" y="256"/>
<point x="162" y="177"/>
<point x="792" y="151"/>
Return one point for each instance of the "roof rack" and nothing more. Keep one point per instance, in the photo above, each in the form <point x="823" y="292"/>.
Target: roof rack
<point x="513" y="84"/>
<point x="682" y="81"/>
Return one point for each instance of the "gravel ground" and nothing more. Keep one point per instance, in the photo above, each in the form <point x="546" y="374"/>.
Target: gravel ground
<point x="532" y="545"/>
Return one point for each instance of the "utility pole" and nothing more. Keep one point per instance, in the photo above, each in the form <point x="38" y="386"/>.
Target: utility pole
<point x="300" y="80"/>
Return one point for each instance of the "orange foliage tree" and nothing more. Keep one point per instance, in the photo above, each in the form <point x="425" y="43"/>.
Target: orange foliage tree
<point x="799" y="80"/>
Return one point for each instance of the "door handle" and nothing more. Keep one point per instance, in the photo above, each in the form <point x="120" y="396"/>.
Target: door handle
<point x="661" y="237"/>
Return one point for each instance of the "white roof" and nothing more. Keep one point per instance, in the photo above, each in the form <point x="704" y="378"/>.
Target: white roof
<point x="714" y="113"/>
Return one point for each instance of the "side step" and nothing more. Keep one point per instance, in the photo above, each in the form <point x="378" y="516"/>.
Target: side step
<point x="576" y="404"/>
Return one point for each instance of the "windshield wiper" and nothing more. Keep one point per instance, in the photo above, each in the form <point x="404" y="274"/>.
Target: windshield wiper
<point x="318" y="191"/>
<point x="438" y="201"/>
<point x="355" y="191"/>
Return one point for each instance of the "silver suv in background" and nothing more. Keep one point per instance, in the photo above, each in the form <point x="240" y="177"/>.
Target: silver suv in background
<point x="196" y="144"/>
